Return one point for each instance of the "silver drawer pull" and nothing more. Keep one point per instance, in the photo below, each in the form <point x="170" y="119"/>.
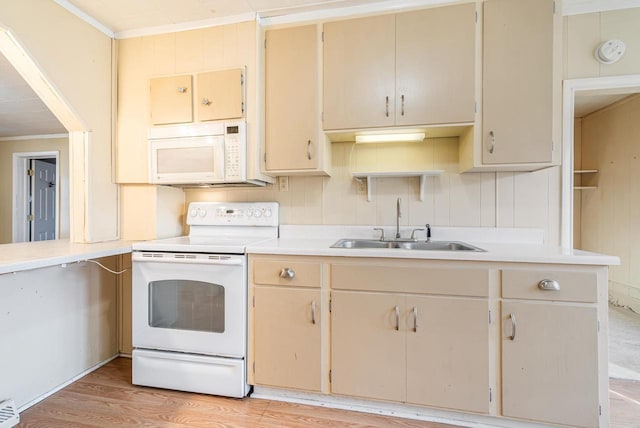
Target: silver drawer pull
<point x="492" y="141"/>
<point x="512" y="317"/>
<point x="397" y="313"/>
<point x="182" y="89"/>
<point x="287" y="273"/>
<point x="313" y="312"/>
<point x="415" y="319"/>
<point x="549" y="285"/>
<point x="206" y="102"/>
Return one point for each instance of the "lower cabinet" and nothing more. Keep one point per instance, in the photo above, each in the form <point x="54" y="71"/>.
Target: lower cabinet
<point x="287" y="338"/>
<point x="413" y="349"/>
<point x="550" y="363"/>
<point x="368" y="347"/>
<point x="519" y="341"/>
<point x="448" y="353"/>
<point x="286" y="323"/>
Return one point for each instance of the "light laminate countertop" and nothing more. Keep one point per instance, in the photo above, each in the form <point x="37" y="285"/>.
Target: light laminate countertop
<point x="501" y="245"/>
<point x="32" y="255"/>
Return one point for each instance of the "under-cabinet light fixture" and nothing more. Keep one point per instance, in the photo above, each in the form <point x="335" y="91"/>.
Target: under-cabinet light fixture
<point x="388" y="138"/>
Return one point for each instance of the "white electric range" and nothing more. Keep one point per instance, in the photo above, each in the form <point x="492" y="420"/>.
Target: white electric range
<point x="190" y="299"/>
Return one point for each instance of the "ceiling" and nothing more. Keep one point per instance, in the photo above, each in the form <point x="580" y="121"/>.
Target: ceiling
<point x="22" y="113"/>
<point x="21" y="110"/>
<point x="587" y="102"/>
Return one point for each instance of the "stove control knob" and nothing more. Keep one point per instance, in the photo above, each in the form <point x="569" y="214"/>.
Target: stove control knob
<point x="258" y="213"/>
<point x="250" y="212"/>
<point x="267" y="212"/>
<point x="202" y="213"/>
<point x="193" y="213"/>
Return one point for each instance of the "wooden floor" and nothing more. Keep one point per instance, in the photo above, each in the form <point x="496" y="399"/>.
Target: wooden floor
<point x="106" y="398"/>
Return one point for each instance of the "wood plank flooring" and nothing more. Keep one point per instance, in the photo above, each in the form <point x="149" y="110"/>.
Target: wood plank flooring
<point x="106" y="398"/>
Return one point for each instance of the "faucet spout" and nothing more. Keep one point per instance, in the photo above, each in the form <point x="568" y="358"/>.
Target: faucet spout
<point x="398" y="215"/>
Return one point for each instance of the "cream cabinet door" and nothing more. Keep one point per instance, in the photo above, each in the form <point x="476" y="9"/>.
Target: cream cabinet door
<point x="435" y="65"/>
<point x="368" y="345"/>
<point x="518" y="81"/>
<point x="171" y="100"/>
<point x="448" y="353"/>
<point x="550" y="363"/>
<point x="359" y="73"/>
<point x="286" y="334"/>
<point x="220" y="95"/>
<point x="291" y="140"/>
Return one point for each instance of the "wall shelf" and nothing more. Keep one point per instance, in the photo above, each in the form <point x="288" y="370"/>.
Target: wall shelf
<point x="360" y="176"/>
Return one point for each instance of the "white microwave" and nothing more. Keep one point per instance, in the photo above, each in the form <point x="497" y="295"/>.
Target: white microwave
<point x="200" y="153"/>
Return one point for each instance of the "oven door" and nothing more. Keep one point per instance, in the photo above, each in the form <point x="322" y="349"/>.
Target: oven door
<point x="194" y="303"/>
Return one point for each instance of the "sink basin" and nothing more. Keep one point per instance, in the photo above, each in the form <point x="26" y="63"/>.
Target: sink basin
<point x="406" y="245"/>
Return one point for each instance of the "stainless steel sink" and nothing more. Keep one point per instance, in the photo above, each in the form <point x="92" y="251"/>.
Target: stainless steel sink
<point x="406" y="245"/>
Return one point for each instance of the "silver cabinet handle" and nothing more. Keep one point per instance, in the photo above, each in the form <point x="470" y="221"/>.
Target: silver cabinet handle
<point x="415" y="319"/>
<point x="402" y="105"/>
<point x="512" y="317"/>
<point x="549" y="285"/>
<point x="492" y="141"/>
<point x="386" y="106"/>
<point x="313" y="312"/>
<point x="309" y="149"/>
<point x="287" y="273"/>
<point x="397" y="311"/>
<point x="182" y="89"/>
<point x="206" y="102"/>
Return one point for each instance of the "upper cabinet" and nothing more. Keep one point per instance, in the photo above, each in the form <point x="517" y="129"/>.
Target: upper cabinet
<point x="171" y="100"/>
<point x="293" y="141"/>
<point x="517" y="81"/>
<point x="219" y="95"/>
<point x="521" y="88"/>
<point x="359" y="73"/>
<point x="413" y="68"/>
<point x="435" y="66"/>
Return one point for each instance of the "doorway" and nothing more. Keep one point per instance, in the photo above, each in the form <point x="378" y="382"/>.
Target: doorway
<point x="601" y="155"/>
<point x="36" y="200"/>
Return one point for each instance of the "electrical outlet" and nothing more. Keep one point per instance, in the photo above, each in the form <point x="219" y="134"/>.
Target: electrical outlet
<point x="283" y="184"/>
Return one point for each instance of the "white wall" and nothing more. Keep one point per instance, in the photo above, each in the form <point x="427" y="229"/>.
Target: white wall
<point x="77" y="60"/>
<point x="603" y="222"/>
<point x="55" y="323"/>
<point x="473" y="199"/>
<point x="610" y="221"/>
<point x="7" y="149"/>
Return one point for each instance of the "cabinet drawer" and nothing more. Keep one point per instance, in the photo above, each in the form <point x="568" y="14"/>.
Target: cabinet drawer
<point x="574" y="286"/>
<point x="284" y="272"/>
<point x="411" y="279"/>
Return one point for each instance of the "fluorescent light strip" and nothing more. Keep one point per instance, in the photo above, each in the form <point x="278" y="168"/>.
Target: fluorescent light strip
<point x="388" y="138"/>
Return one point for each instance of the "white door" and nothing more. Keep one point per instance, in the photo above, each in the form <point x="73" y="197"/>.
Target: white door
<point x="43" y="200"/>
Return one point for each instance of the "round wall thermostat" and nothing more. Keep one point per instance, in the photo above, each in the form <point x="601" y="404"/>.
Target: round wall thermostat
<point x="610" y="51"/>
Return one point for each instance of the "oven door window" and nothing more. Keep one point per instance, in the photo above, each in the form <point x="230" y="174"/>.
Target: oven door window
<point x="186" y="305"/>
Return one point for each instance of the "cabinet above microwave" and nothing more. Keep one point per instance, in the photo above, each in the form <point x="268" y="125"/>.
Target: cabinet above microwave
<point x="208" y="96"/>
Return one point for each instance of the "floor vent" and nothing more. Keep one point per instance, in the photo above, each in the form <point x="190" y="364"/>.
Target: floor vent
<point x="9" y="416"/>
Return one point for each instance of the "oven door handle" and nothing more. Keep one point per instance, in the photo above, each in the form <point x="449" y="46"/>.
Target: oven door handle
<point x="202" y="259"/>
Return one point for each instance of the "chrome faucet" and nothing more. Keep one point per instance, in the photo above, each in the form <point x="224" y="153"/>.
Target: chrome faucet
<point x="398" y="215"/>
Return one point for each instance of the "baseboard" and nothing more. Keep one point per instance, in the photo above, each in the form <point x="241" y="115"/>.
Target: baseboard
<point x="65" y="384"/>
<point x="397" y="410"/>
